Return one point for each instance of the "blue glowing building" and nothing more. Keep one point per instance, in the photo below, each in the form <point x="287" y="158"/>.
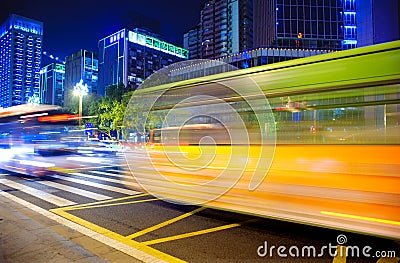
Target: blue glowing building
<point x="349" y="28"/>
<point x="130" y="56"/>
<point x="377" y="21"/>
<point x="20" y="58"/>
<point x="225" y="28"/>
<point x="304" y="24"/>
<point x="52" y="84"/>
<point x="81" y="65"/>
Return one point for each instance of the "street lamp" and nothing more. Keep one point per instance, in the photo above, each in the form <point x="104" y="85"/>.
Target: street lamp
<point x="80" y="90"/>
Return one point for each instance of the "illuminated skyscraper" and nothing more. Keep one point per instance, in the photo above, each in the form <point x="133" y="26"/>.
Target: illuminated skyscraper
<point x="377" y="21"/>
<point x="349" y="17"/>
<point x="52" y="84"/>
<point x="129" y="57"/>
<point x="81" y="65"/>
<point x="226" y="28"/>
<point x="306" y="24"/>
<point x="20" y="58"/>
<point x="192" y="42"/>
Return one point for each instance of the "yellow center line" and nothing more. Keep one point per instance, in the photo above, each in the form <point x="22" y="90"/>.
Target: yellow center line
<point x="103" y="202"/>
<point x="195" y="233"/>
<point x="371" y="219"/>
<point x="113" y="204"/>
<point x="115" y="236"/>
<point x="189" y="234"/>
<point x="168" y="222"/>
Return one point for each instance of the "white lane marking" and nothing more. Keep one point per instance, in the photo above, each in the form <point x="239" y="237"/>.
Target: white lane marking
<point x="133" y="252"/>
<point x="112" y="174"/>
<point x="75" y="190"/>
<point x="119" y="171"/>
<point x="101" y="186"/>
<point x="107" y="179"/>
<point x="58" y="201"/>
<point x="97" y="167"/>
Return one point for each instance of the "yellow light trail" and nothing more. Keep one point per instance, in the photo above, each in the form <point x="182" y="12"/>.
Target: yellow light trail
<point x="364" y="218"/>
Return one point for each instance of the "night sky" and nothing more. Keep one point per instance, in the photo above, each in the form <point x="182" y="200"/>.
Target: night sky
<point x="79" y="24"/>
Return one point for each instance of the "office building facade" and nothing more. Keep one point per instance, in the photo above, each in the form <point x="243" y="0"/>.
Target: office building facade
<point x="226" y="28"/>
<point x="130" y="56"/>
<point x="349" y="17"/>
<point x="52" y="84"/>
<point x="20" y="58"/>
<point x="247" y="59"/>
<point x="192" y="42"/>
<point x="371" y="28"/>
<point x="81" y="65"/>
<point x="306" y="24"/>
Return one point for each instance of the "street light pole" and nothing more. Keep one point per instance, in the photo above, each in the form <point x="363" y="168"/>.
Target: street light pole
<point x="80" y="90"/>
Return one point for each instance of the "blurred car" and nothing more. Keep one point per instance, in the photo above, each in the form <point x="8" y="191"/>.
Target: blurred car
<point x="99" y="148"/>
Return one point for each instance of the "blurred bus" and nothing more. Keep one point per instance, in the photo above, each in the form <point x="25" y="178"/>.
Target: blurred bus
<point x="337" y="124"/>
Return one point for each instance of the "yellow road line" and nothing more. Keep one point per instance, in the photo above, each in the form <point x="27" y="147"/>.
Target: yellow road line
<point x="115" y="236"/>
<point x="103" y="202"/>
<point x="371" y="219"/>
<point x="168" y="222"/>
<point x="189" y="234"/>
<point x="341" y="254"/>
<point x="113" y="204"/>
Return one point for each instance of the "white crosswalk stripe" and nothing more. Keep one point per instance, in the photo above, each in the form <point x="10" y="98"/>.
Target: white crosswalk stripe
<point x="53" y="199"/>
<point x="107" y="179"/>
<point x="119" y="171"/>
<point x="113" y="174"/>
<point x="97" y="185"/>
<point x="98" y="167"/>
<point x="75" y="190"/>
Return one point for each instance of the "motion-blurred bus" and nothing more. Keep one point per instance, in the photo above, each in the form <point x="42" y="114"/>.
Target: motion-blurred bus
<point x="336" y="162"/>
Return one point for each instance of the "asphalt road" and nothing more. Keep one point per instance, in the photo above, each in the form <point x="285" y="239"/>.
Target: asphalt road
<point x="100" y="203"/>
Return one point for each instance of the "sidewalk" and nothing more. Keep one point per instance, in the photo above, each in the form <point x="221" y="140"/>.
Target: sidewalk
<point x="26" y="236"/>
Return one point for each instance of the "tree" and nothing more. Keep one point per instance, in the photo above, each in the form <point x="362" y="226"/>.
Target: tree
<point x="116" y="92"/>
<point x="111" y="115"/>
<point x="109" y="110"/>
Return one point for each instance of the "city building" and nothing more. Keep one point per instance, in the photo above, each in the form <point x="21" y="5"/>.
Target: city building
<point x="246" y="59"/>
<point x="349" y="18"/>
<point x="130" y="56"/>
<point x="192" y="42"/>
<point x="304" y="24"/>
<point x="230" y="27"/>
<point x="52" y="84"/>
<point x="226" y="28"/>
<point x="20" y="58"/>
<point x="371" y="28"/>
<point x="81" y="65"/>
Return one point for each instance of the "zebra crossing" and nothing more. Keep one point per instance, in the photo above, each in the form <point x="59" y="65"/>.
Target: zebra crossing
<point x="95" y="184"/>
